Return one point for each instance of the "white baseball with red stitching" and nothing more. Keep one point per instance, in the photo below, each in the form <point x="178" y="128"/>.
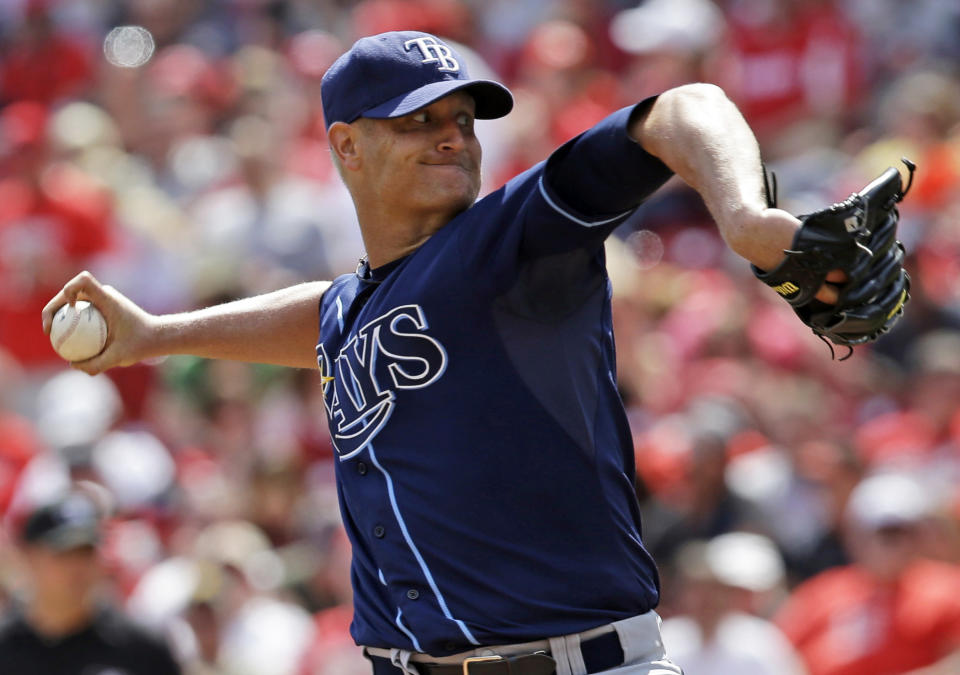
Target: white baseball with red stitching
<point x="79" y="331"/>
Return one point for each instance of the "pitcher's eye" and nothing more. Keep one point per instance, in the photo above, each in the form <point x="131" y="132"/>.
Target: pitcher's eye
<point x="420" y="117"/>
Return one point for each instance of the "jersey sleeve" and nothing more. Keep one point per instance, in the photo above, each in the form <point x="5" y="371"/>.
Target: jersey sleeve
<point x="548" y="224"/>
<point x="592" y="183"/>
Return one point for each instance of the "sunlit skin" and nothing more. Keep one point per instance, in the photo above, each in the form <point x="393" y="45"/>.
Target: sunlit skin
<point x="409" y="176"/>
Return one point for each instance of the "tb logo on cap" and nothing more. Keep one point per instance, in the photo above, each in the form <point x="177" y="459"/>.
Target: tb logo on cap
<point x="434" y="51"/>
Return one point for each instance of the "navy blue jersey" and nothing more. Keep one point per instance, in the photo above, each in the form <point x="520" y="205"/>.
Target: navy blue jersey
<point x="485" y="465"/>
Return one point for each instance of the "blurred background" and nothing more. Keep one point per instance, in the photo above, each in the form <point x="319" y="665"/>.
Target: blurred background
<point x="183" y="160"/>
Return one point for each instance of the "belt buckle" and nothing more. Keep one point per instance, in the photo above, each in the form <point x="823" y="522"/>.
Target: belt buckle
<point x="477" y="659"/>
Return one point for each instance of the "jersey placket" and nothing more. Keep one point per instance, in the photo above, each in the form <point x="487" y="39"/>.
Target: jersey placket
<point x="429" y="589"/>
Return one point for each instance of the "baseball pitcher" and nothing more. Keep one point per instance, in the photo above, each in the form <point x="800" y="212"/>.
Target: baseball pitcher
<point x="485" y="464"/>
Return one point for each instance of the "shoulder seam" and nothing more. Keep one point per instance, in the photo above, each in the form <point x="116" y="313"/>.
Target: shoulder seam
<point x="579" y="221"/>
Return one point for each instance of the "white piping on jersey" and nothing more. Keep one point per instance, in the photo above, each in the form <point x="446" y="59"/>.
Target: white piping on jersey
<point x="416" y="552"/>
<point x="380" y="574"/>
<point x="556" y="207"/>
<point x="406" y="631"/>
<point x="340" y="313"/>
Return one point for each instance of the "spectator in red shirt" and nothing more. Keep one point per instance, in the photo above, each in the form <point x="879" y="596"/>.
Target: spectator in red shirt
<point x="53" y="220"/>
<point x="41" y="64"/>
<point x="788" y="62"/>
<point x="891" y="611"/>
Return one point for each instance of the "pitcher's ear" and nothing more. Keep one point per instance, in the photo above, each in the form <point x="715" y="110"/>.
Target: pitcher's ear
<point x="343" y="144"/>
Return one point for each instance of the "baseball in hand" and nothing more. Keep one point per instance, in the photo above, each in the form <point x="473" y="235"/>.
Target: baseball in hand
<point x="79" y="331"/>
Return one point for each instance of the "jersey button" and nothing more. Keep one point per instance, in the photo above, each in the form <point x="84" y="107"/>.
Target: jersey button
<point x="379" y="531"/>
<point x="362" y="468"/>
<point x="413" y="594"/>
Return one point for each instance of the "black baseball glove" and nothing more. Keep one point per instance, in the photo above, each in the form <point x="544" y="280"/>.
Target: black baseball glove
<point x="859" y="237"/>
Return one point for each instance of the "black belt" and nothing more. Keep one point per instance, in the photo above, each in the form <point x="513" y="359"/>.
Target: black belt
<point x="599" y="653"/>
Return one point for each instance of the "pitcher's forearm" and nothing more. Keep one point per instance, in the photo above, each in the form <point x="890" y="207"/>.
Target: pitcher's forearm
<point x="699" y="133"/>
<point x="279" y="328"/>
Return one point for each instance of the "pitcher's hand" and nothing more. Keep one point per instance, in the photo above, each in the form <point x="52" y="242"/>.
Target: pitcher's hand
<point x="130" y="330"/>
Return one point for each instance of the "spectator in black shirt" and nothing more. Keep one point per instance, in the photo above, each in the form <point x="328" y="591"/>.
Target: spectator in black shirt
<point x="61" y="625"/>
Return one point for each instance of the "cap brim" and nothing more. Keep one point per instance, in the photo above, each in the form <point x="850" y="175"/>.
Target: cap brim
<point x="492" y="98"/>
<point x="70" y="538"/>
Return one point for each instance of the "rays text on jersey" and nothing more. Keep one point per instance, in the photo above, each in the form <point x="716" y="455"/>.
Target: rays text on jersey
<point x="388" y="354"/>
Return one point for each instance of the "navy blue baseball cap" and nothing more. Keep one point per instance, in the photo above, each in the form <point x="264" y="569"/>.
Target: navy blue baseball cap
<point x="393" y="74"/>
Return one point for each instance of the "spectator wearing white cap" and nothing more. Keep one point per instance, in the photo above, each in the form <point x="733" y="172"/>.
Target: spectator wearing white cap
<point x="891" y="611"/>
<point x="726" y="582"/>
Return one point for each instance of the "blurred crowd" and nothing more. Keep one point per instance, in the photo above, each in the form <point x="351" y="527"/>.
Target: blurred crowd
<point x="804" y="511"/>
